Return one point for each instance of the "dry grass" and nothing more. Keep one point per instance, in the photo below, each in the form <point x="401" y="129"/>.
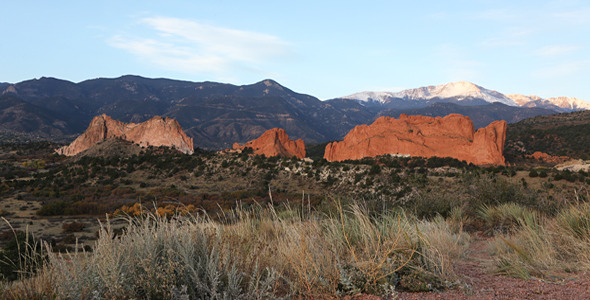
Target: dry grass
<point x="257" y="253"/>
<point x="542" y="247"/>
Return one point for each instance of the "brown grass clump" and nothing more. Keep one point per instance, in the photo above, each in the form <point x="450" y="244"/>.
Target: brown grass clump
<point x="258" y="253"/>
<point x="541" y="247"/>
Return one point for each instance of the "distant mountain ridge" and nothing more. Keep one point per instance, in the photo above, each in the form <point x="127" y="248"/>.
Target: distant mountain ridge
<point x="217" y="115"/>
<point x="17" y="115"/>
<point x="462" y="93"/>
<point x="454" y="92"/>
<point x="561" y="104"/>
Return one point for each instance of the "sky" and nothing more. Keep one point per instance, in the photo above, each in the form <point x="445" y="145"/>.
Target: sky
<point x="326" y="49"/>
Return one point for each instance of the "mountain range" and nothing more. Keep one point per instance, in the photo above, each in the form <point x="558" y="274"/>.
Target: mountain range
<point x="561" y="104"/>
<point x="217" y="115"/>
<point x="463" y="93"/>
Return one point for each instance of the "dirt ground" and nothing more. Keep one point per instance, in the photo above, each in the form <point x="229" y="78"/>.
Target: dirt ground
<point x="480" y="282"/>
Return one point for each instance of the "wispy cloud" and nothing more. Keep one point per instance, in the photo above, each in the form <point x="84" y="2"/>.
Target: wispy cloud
<point x="566" y="69"/>
<point x="499" y="15"/>
<point x="514" y="36"/>
<point x="555" y="50"/>
<point x="456" y="63"/>
<point x="578" y="16"/>
<point x="438" y="16"/>
<point x="192" y="47"/>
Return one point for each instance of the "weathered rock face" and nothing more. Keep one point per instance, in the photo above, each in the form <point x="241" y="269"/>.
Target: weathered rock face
<point x="156" y="132"/>
<point x="450" y="136"/>
<point x="275" y="142"/>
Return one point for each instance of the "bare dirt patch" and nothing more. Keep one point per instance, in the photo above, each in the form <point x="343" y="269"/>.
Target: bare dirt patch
<point x="480" y="282"/>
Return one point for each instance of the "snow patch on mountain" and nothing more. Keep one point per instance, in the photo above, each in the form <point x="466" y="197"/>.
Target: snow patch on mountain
<point x="562" y="104"/>
<point x="522" y="99"/>
<point x="464" y="90"/>
<point x="367" y="96"/>
<point x="570" y="103"/>
<point x="460" y="90"/>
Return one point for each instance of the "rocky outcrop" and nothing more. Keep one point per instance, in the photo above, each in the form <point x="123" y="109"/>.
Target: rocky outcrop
<point x="542" y="156"/>
<point x="451" y="136"/>
<point x="275" y="142"/>
<point x="575" y="165"/>
<point x="156" y="132"/>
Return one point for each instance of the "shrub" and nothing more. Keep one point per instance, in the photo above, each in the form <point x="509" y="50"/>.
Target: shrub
<point x="428" y="204"/>
<point x="53" y="208"/>
<point x="543" y="174"/>
<point x="492" y="190"/>
<point x="73" y="227"/>
<point x="375" y="170"/>
<point x="533" y="173"/>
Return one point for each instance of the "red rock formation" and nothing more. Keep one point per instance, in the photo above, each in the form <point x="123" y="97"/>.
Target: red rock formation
<point x="548" y="158"/>
<point x="450" y="136"/>
<point x="156" y="132"/>
<point x="275" y="142"/>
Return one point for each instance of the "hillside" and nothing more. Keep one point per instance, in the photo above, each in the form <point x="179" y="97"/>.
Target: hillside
<point x="565" y="134"/>
<point x="17" y="116"/>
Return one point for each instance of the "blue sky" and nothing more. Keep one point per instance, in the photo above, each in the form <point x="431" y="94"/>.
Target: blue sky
<point x="323" y="48"/>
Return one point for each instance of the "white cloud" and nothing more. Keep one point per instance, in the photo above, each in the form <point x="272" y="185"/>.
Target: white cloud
<point x="456" y="64"/>
<point x="191" y="47"/>
<point x="498" y="15"/>
<point x="554" y="50"/>
<point x="562" y="70"/>
<point x="579" y="16"/>
<point x="513" y="36"/>
<point x="438" y="16"/>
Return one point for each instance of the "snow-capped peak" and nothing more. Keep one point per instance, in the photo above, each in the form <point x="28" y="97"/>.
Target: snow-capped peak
<point x="464" y="90"/>
<point x="369" y="96"/>
<point x="460" y="90"/>
<point x="562" y="104"/>
<point x="570" y="103"/>
<point x="522" y="99"/>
